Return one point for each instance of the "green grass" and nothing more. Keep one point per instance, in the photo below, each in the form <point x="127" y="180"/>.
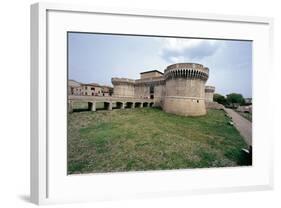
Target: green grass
<point x="150" y="139"/>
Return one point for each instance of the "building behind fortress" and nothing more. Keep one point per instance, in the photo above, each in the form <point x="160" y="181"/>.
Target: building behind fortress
<point x="179" y="90"/>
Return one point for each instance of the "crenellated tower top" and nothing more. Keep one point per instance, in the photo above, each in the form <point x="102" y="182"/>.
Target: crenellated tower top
<point x="210" y="89"/>
<point x="187" y="70"/>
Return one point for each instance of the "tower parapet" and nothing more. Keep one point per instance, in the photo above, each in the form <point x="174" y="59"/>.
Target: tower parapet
<point x="123" y="87"/>
<point x="116" y="81"/>
<point x="209" y="88"/>
<point x="150" y="81"/>
<point x="187" y="70"/>
<point x="185" y="89"/>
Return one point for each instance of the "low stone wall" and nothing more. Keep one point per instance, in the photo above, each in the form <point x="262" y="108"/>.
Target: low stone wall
<point x="214" y="105"/>
<point x="245" y="109"/>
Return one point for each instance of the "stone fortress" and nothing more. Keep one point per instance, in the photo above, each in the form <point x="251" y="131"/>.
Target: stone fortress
<point x="179" y="90"/>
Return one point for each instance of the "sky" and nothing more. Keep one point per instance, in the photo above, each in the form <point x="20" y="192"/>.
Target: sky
<point x="99" y="57"/>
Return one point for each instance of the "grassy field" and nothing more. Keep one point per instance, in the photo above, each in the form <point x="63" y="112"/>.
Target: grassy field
<point x="150" y="139"/>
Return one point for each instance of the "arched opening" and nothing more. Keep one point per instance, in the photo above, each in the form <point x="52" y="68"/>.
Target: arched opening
<point x="151" y="104"/>
<point x="137" y="105"/>
<point x="129" y="105"/>
<point x="118" y="105"/>
<point x="196" y="74"/>
<point x="107" y="106"/>
<point x="103" y="106"/>
<point x="192" y="74"/>
<point x="151" y="91"/>
<point x="145" y="104"/>
<point x="90" y="106"/>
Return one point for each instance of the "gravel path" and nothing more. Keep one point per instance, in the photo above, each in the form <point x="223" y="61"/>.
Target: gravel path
<point x="243" y="125"/>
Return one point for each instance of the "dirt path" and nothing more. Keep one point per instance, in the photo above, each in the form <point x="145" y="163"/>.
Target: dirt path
<point x="243" y="125"/>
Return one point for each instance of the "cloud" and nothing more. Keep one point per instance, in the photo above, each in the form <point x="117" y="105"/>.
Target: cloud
<point x="180" y="50"/>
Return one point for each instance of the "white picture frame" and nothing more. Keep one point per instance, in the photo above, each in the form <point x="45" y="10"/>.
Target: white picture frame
<point x="49" y="180"/>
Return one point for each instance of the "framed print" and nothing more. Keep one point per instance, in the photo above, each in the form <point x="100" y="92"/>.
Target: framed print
<point x="137" y="103"/>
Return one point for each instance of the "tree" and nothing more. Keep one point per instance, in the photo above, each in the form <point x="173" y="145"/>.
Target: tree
<point x="235" y="98"/>
<point x="220" y="99"/>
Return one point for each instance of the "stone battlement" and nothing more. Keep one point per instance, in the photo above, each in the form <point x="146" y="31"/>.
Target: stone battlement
<point x="149" y="81"/>
<point x="116" y="81"/>
<point x="185" y="65"/>
<point x="187" y="70"/>
<point x="210" y="89"/>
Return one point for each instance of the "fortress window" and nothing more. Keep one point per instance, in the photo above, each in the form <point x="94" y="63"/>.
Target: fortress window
<point x="151" y="89"/>
<point x="197" y="101"/>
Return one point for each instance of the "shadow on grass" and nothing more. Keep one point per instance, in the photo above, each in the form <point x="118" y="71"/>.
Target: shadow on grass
<point x="80" y="110"/>
<point x="244" y="159"/>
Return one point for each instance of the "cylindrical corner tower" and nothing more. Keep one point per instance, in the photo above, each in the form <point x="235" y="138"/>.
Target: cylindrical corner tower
<point x="185" y="89"/>
<point x="209" y="93"/>
<point x="123" y="87"/>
